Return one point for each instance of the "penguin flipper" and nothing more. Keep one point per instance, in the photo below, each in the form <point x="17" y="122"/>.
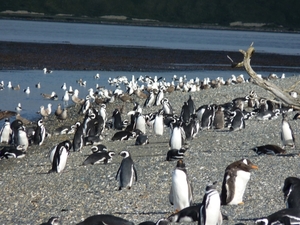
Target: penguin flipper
<point x="118" y="173"/>
<point x="135" y="173"/>
<point x="171" y="196"/>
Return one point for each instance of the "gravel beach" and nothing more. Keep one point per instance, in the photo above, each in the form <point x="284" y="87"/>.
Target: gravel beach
<point x="31" y="196"/>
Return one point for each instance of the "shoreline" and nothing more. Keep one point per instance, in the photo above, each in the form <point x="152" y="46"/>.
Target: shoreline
<point x="28" y="56"/>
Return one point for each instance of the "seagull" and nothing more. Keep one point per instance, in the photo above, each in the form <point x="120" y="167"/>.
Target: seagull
<point x="97" y="76"/>
<point x="64" y="87"/>
<point x="19" y="107"/>
<point x="38" y="85"/>
<point x="27" y="90"/>
<point x="9" y="84"/>
<point x="66" y="98"/>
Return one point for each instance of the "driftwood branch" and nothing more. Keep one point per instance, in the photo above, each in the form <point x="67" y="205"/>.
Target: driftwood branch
<point x="276" y="91"/>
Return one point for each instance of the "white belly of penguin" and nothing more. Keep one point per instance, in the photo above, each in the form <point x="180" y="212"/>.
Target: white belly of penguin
<point x="141" y="124"/>
<point x="176" y="139"/>
<point x="180" y="190"/>
<point x="286" y="133"/>
<point x="213" y="210"/>
<point x="63" y="161"/>
<point x="240" y="184"/>
<point x="158" y="126"/>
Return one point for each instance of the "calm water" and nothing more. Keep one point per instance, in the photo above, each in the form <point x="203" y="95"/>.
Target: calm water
<point x="97" y="34"/>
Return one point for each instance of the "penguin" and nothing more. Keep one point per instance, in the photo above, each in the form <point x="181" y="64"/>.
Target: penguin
<point x="140" y="122"/>
<point x="236" y="177"/>
<point x="123" y="135"/>
<point x="126" y="172"/>
<point x="142" y="139"/>
<point x="12" y="152"/>
<point x="210" y="210"/>
<point x="297" y="116"/>
<point x="200" y="111"/>
<point x="39" y="133"/>
<point x="291" y="190"/>
<point x="117" y="121"/>
<point x="159" y="96"/>
<point x="167" y="107"/>
<point x="158" y="125"/>
<point x="191" y="105"/>
<point x="99" y="148"/>
<point x="287" y="134"/>
<point x="98" y="157"/>
<point x="59" y="155"/>
<point x="6" y="132"/>
<point x="284" y="217"/>
<point x="181" y="193"/>
<point x="219" y="119"/>
<point x="185" y="114"/>
<point x="85" y="106"/>
<point x="92" y="140"/>
<point x="191" y="129"/>
<point x="176" y="138"/>
<point x="78" y="138"/>
<point x="188" y="214"/>
<point x="22" y="138"/>
<point x="237" y="121"/>
<point x="105" y="219"/>
<point x="159" y="222"/>
<point x="15" y="125"/>
<point x="175" y="154"/>
<point x="207" y="117"/>
<point x="150" y="100"/>
<point x="269" y="150"/>
<point x="52" y="221"/>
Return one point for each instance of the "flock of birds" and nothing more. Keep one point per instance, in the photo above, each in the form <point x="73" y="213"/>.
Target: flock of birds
<point x="231" y="116"/>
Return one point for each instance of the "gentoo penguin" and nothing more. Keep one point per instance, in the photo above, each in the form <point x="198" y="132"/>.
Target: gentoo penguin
<point x="269" y="150"/>
<point x="219" y="119"/>
<point x="123" y="135"/>
<point x="59" y="155"/>
<point x="6" y="132"/>
<point x="287" y="134"/>
<point x="105" y="219"/>
<point x="188" y="214"/>
<point x="150" y="100"/>
<point x="284" y="217"/>
<point x="98" y="157"/>
<point x="12" y="152"/>
<point x="39" y="133"/>
<point x="176" y="138"/>
<point x="126" y="172"/>
<point x="52" y="221"/>
<point x="175" y="154"/>
<point x="181" y="193"/>
<point x="237" y="120"/>
<point x="210" y="210"/>
<point x="158" y="125"/>
<point x="291" y="190"/>
<point x="236" y="177"/>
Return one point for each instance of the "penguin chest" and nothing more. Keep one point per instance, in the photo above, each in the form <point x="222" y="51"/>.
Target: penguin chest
<point x="141" y="124"/>
<point x="286" y="134"/>
<point x="22" y="139"/>
<point x="239" y="188"/>
<point x="158" y="126"/>
<point x="180" y="189"/>
<point x="5" y="134"/>
<point x="212" y="213"/>
<point x="176" y="141"/>
<point x="62" y="160"/>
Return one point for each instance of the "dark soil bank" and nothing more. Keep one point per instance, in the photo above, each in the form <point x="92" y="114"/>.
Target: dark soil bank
<point x="26" y="56"/>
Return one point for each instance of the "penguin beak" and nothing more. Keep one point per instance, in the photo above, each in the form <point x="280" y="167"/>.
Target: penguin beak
<point x="254" y="167"/>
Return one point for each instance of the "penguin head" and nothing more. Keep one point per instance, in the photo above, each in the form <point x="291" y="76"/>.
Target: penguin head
<point x="53" y="221"/>
<point x="211" y="186"/>
<point x="124" y="154"/>
<point x="263" y="221"/>
<point x="68" y="145"/>
<point x="111" y="154"/>
<point x="40" y="122"/>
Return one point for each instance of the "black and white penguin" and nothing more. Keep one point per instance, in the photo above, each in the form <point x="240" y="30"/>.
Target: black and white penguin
<point x="237" y="120"/>
<point x="175" y="154"/>
<point x="99" y="157"/>
<point x="207" y="117"/>
<point x="291" y="190"/>
<point x="78" y="140"/>
<point x="297" y="116"/>
<point x="117" y="120"/>
<point x="105" y="219"/>
<point x="191" y="105"/>
<point x="167" y="107"/>
<point x="140" y="122"/>
<point x="188" y="214"/>
<point x="159" y="96"/>
<point x="99" y="148"/>
<point x="12" y="152"/>
<point x="21" y="138"/>
<point x="158" y="125"/>
<point x="123" y="135"/>
<point x="126" y="172"/>
<point x="6" y="132"/>
<point x="200" y="111"/>
<point x="269" y="150"/>
<point x="39" y="133"/>
<point x="287" y="133"/>
<point x="52" y="221"/>
<point x="281" y="217"/>
<point x="59" y="155"/>
<point x="185" y="114"/>
<point x="15" y="125"/>
<point x="176" y="139"/>
<point x="191" y="129"/>
<point x="181" y="193"/>
<point x="210" y="210"/>
<point x="236" y="178"/>
<point x="159" y="222"/>
<point x="219" y="119"/>
<point x="142" y="139"/>
<point x="150" y="100"/>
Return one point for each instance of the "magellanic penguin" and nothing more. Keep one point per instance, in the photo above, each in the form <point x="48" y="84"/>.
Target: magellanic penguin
<point x="185" y="114"/>
<point x="207" y="117"/>
<point x="237" y="120"/>
<point x="269" y="150"/>
<point x="287" y="134"/>
<point x="167" y="107"/>
<point x="159" y="222"/>
<point x="142" y="139"/>
<point x="12" y="152"/>
<point x="150" y="100"/>
<point x="235" y="180"/>
<point x="210" y="210"/>
<point x="281" y="217"/>
<point x="123" y="135"/>
<point x="99" y="157"/>
<point x="126" y="172"/>
<point x="52" y="221"/>
<point x="59" y="155"/>
<point x="181" y="193"/>
<point x="191" y="105"/>
<point x="175" y="154"/>
<point x="188" y="214"/>
<point x="6" y="132"/>
<point x="105" y="219"/>
<point x="78" y="138"/>
<point x="158" y="125"/>
<point x="39" y="133"/>
<point x="291" y="190"/>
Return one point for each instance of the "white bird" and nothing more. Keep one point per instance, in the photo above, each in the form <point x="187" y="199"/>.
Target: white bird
<point x="27" y="90"/>
<point x="19" y="107"/>
<point x="97" y="76"/>
<point x="9" y="85"/>
<point x="64" y="87"/>
<point x="47" y="71"/>
<point x="66" y="98"/>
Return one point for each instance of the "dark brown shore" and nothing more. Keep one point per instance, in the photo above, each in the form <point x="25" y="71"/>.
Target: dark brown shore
<point x="27" y="56"/>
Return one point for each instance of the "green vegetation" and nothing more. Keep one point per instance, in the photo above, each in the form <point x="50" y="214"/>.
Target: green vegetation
<point x="272" y="13"/>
